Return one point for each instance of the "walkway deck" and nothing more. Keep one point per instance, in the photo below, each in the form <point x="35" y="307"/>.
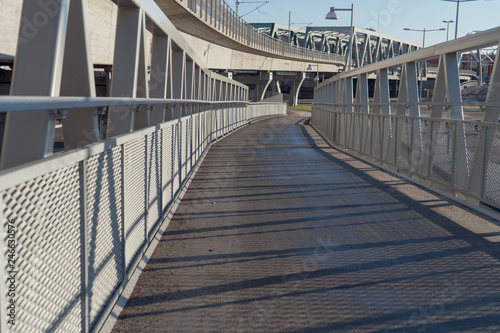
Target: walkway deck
<point x="279" y="232"/>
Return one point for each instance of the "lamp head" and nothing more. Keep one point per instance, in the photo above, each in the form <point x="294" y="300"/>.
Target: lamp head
<point x="309" y="68"/>
<point x="332" y="15"/>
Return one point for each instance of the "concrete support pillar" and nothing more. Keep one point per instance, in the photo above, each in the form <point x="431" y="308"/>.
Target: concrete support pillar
<point x="275" y="86"/>
<point x="265" y="79"/>
<point x="295" y="88"/>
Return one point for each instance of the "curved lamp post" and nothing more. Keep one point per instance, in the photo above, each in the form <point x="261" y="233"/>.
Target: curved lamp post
<point x="332" y="15"/>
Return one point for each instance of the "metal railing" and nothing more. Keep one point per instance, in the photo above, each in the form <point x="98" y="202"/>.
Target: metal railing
<point x="463" y="156"/>
<point x="430" y="149"/>
<point x="76" y="225"/>
<point x="221" y="17"/>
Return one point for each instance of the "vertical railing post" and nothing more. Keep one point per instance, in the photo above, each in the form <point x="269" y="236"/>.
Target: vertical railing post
<point x="122" y="198"/>
<point x="146" y="189"/>
<point x="84" y="249"/>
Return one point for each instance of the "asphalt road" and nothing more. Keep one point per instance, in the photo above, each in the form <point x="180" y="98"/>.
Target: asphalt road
<point x="279" y="232"/>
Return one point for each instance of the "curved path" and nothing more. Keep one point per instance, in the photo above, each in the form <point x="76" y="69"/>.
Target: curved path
<point x="279" y="232"/>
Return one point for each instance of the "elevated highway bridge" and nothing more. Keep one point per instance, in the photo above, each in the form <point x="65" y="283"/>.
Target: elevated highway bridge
<point x="178" y="204"/>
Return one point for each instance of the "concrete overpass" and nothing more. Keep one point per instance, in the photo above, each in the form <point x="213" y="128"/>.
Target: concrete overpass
<point x="229" y="44"/>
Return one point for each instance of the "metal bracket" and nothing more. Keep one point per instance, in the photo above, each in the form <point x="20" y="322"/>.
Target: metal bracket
<point x="99" y="111"/>
<point x="59" y="114"/>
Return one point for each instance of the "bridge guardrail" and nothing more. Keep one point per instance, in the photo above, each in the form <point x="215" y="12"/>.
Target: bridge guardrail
<point x="463" y="156"/>
<point x="81" y="221"/>
<point x="429" y="149"/>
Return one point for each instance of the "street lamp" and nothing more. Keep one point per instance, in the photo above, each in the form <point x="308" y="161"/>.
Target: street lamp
<point x="309" y="68"/>
<point x="423" y="46"/>
<point x="458" y="10"/>
<point x="332" y="15"/>
<point x="448" y="27"/>
<point x="424" y="31"/>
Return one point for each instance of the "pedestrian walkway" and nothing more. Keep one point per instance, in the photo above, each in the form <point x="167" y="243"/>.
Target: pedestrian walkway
<point x="279" y="232"/>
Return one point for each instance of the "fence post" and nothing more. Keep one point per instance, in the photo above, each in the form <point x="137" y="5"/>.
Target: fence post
<point x="84" y="248"/>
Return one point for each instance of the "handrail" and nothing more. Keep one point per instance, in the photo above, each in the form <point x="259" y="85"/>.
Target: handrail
<point x="395" y="132"/>
<point x="477" y="41"/>
<point x="29" y="103"/>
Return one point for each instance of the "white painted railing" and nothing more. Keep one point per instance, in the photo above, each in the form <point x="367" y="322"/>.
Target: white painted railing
<point x="75" y="225"/>
<point x="461" y="155"/>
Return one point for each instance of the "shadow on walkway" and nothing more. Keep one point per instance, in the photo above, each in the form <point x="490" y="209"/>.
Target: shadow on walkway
<point x="279" y="232"/>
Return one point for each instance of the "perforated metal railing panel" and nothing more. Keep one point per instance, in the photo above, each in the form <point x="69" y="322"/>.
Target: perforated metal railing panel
<point x="446" y="152"/>
<point x="194" y="141"/>
<point x="176" y="157"/>
<point x="46" y="216"/>
<point x="134" y="197"/>
<point x="189" y="145"/>
<point x="404" y="153"/>
<point x="167" y="165"/>
<point x="154" y="180"/>
<point x="443" y="158"/>
<point x="492" y="169"/>
<point x="105" y="232"/>
<point x="122" y="183"/>
<point x="184" y="147"/>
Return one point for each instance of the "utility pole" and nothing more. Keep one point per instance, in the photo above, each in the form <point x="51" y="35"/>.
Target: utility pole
<point x="238" y="4"/>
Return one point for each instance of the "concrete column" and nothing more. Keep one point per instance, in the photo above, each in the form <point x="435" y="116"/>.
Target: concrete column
<point x="265" y="79"/>
<point x="295" y="88"/>
<point x="275" y="86"/>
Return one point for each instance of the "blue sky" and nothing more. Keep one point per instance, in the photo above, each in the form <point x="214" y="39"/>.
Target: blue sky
<point x="395" y="15"/>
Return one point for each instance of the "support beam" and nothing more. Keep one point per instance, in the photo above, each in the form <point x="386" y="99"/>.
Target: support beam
<point x="81" y="125"/>
<point x="265" y="80"/>
<point x="142" y="118"/>
<point x="178" y="72"/>
<point x="492" y="113"/>
<point x="159" y="74"/>
<point x="478" y="179"/>
<point x="275" y="85"/>
<point x="37" y="72"/>
<point x="293" y="97"/>
<point x="125" y="68"/>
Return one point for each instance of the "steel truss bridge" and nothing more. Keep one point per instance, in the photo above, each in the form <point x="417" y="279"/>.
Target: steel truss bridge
<point x="84" y="218"/>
